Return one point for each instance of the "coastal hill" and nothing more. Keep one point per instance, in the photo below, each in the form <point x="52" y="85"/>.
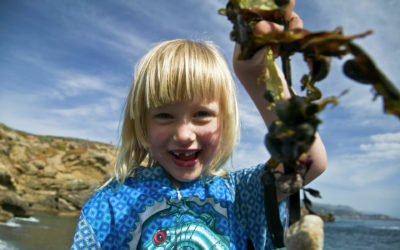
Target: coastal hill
<point x="49" y="174"/>
<point x="342" y="211"/>
<point x="58" y="175"/>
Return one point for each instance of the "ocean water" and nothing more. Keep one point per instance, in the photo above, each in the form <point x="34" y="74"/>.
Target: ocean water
<point x="41" y="231"/>
<point x="46" y="231"/>
<point x="354" y="234"/>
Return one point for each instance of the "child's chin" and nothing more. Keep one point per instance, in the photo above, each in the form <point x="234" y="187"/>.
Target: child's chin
<point x="187" y="178"/>
<point x="184" y="175"/>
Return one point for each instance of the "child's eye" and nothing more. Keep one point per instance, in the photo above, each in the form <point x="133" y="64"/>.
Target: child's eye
<point x="163" y="116"/>
<point x="202" y="114"/>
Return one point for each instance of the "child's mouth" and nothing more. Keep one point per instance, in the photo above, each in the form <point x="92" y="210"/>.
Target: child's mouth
<point x="185" y="158"/>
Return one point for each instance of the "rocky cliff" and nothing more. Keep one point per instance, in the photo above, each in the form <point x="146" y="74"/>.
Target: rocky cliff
<point x="50" y="174"/>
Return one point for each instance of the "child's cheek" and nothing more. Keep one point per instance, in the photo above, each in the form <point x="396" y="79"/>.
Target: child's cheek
<point x="157" y="137"/>
<point x="212" y="137"/>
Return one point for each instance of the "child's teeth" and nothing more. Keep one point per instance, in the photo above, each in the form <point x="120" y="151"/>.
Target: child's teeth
<point x="185" y="154"/>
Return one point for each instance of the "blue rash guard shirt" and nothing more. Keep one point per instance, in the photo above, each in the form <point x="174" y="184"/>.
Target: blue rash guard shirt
<point x="148" y="212"/>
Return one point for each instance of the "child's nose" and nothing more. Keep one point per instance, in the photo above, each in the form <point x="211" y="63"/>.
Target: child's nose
<point x="185" y="133"/>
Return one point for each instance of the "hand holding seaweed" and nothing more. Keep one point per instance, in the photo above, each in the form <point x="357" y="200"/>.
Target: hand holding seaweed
<point x="292" y="134"/>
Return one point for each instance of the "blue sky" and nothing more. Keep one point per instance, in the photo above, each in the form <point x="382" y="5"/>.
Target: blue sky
<point x="66" y="67"/>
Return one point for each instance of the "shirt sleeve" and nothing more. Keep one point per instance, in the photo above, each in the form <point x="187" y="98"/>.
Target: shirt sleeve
<point x="249" y="205"/>
<point x="85" y="237"/>
<point x="94" y="225"/>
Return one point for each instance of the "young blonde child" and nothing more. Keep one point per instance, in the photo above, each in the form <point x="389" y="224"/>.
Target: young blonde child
<point x="170" y="189"/>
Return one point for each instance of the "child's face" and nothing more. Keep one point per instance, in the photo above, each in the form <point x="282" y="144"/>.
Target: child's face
<point x="184" y="138"/>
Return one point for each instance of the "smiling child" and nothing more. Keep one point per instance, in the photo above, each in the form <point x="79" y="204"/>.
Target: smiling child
<point x="171" y="189"/>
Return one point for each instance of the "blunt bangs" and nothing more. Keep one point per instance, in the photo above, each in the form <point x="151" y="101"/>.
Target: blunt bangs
<point x="183" y="72"/>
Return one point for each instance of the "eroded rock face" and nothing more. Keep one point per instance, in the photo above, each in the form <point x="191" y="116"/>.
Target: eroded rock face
<point x="306" y="234"/>
<point x="12" y="205"/>
<point x="51" y="174"/>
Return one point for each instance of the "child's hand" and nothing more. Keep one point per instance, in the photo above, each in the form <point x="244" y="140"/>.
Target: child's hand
<point x="248" y="70"/>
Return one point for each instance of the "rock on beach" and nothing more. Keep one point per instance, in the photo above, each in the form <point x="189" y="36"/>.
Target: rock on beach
<point x="305" y="234"/>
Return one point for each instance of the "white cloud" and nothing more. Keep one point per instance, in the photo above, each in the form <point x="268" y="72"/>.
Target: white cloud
<point x="249" y="154"/>
<point x="364" y="177"/>
<point x="250" y="119"/>
<point x="71" y="80"/>
<point x="382" y="147"/>
<point x="72" y="84"/>
<point x="386" y="138"/>
<point x="29" y="112"/>
<point x="113" y="35"/>
<point x="372" y="163"/>
<point x="372" y="175"/>
<point x="373" y="199"/>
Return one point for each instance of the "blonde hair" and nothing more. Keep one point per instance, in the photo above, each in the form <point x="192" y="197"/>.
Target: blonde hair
<point x="177" y="71"/>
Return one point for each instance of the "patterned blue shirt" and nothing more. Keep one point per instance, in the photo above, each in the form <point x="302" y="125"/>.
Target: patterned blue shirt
<point x="148" y="212"/>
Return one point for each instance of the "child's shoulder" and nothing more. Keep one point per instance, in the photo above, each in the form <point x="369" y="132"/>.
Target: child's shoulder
<point x="137" y="183"/>
<point x="246" y="173"/>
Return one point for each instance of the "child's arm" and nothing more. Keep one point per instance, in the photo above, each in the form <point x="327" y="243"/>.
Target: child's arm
<point x="248" y="72"/>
